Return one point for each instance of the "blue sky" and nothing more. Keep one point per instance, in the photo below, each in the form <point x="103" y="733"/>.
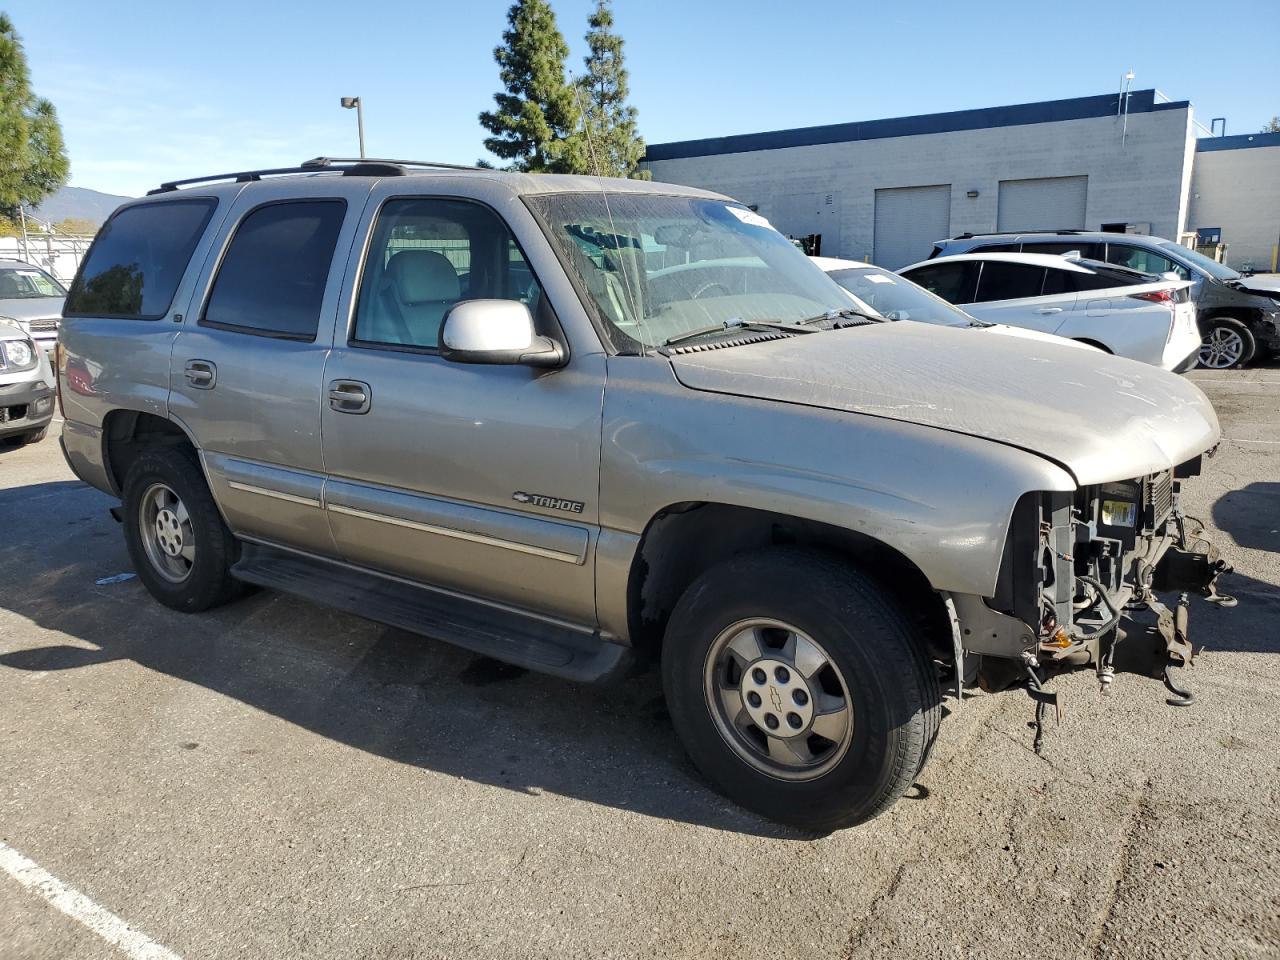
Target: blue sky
<point x="173" y="89"/>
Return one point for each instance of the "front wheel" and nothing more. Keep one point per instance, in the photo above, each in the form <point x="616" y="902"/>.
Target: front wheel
<point x="799" y="689"/>
<point x="1227" y="343"/>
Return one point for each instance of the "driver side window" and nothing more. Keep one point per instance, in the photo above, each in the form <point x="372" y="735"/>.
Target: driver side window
<point x="427" y="255"/>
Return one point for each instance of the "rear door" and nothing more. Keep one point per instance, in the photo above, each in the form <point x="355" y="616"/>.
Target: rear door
<point x="477" y="478"/>
<point x="1013" y="293"/>
<point x="247" y="366"/>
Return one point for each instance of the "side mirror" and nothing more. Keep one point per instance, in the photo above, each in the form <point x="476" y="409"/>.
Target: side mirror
<point x="496" y="331"/>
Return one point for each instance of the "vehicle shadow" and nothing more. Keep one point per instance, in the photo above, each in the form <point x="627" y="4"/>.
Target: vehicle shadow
<point x="374" y="688"/>
<point x="1251" y="515"/>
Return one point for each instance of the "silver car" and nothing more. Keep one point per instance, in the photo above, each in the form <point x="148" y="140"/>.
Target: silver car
<point x="32" y="299"/>
<point x="571" y="422"/>
<point x="26" y="387"/>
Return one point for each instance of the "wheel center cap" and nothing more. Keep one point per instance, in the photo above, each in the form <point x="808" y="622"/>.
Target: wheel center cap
<point x="777" y="698"/>
<point x="169" y="532"/>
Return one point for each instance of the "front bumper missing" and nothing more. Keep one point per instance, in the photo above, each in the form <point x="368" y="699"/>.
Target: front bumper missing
<point x="1186" y="563"/>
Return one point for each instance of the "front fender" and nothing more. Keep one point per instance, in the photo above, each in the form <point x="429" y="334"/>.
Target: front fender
<point x="943" y="500"/>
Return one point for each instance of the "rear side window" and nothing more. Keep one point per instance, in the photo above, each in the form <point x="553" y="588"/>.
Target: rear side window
<point x="137" y="260"/>
<point x="1087" y="251"/>
<point x="952" y="281"/>
<point x="1009" y="281"/>
<point x="997" y="248"/>
<point x="271" y="280"/>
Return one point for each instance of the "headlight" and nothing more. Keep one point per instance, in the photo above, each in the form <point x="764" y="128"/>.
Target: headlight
<point x="19" y="354"/>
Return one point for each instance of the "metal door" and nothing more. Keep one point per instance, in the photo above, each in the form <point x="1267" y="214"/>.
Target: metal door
<point x="477" y="478"/>
<point x="251" y="396"/>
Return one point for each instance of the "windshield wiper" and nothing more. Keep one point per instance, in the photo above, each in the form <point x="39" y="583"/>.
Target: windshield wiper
<point x="734" y="324"/>
<point x="834" y="315"/>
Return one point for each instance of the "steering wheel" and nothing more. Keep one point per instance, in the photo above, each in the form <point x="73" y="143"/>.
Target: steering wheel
<point x="712" y="285"/>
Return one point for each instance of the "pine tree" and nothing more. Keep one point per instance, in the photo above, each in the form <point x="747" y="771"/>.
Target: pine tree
<point x="33" y="159"/>
<point x="615" y="148"/>
<point x="536" y="121"/>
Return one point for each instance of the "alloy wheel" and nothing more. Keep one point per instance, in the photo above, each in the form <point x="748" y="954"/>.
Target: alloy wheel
<point x="778" y="699"/>
<point x="1221" y="349"/>
<point x="167" y="535"/>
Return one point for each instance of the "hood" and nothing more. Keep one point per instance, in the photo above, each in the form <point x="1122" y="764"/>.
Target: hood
<point x="1022" y="333"/>
<point x="1101" y="417"/>
<point x="31" y="308"/>
<point x="1267" y="284"/>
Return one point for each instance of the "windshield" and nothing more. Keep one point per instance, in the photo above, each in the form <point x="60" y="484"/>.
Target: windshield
<point x="657" y="267"/>
<point x="898" y="298"/>
<point x="1212" y="267"/>
<point x="28" y="283"/>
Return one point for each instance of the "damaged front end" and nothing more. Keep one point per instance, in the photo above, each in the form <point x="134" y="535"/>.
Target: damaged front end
<point x="1080" y="571"/>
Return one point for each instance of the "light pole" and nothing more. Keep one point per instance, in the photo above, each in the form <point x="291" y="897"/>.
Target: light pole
<point x="353" y="103"/>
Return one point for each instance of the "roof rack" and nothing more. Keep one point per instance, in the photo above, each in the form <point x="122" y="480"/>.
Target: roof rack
<point x="1019" y="233"/>
<point x="347" y="166"/>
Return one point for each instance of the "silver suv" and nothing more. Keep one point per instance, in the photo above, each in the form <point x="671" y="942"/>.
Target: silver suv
<point x="1238" y="322"/>
<point x="570" y="422"/>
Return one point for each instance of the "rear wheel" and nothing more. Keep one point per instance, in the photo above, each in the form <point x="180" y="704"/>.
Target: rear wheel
<point x="181" y="549"/>
<point x="798" y="688"/>
<point x="1227" y="343"/>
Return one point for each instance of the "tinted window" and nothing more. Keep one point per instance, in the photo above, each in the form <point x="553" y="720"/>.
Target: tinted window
<point x="1009" y="281"/>
<point x="137" y="260"/>
<point x="272" y="278"/>
<point x="1140" y="258"/>
<point x="1087" y="251"/>
<point x="997" y="248"/>
<point x="427" y="255"/>
<point x="952" y="282"/>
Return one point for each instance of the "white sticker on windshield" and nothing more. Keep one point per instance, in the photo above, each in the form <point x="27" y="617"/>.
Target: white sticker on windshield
<point x="877" y="278"/>
<point x="750" y="217"/>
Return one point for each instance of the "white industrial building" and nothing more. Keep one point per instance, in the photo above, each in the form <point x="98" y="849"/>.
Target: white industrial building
<point x="885" y="190"/>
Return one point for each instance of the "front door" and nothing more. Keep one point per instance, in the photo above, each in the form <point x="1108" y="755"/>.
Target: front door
<point x="246" y="370"/>
<point x="480" y="479"/>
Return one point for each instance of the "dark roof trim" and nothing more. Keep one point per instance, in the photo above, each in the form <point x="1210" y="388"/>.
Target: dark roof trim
<point x="1047" y="111"/>
<point x="1239" y="141"/>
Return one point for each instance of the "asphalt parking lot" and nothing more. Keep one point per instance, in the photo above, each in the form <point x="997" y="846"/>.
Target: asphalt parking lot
<point x="278" y="780"/>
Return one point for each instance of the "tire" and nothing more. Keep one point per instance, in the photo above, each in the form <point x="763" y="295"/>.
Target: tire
<point x="876" y="659"/>
<point x="35" y="436"/>
<point x="1227" y="343"/>
<point x="188" y="584"/>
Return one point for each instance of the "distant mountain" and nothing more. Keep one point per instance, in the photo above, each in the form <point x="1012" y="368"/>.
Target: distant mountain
<point x="78" y="203"/>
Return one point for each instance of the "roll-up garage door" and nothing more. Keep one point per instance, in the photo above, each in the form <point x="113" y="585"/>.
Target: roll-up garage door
<point x="1047" y="203"/>
<point x="908" y="221"/>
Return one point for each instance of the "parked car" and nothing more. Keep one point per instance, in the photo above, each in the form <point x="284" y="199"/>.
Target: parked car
<point x="1130" y="314"/>
<point x="896" y="298"/>
<point x="1239" y="317"/>
<point x="32" y="299"/>
<point x="26" y="387"/>
<point x="454" y="402"/>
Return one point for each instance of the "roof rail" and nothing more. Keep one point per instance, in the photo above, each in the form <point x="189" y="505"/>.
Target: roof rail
<point x="1019" y="233"/>
<point x="347" y="166"/>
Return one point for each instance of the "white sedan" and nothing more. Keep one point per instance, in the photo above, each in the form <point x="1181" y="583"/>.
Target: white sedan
<point x="876" y="290"/>
<point x="1124" y="312"/>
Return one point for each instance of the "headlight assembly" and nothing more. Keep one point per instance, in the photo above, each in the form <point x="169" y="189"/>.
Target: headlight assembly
<point x="18" y="355"/>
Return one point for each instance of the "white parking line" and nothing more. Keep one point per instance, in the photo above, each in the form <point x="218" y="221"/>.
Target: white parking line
<point x="80" y="908"/>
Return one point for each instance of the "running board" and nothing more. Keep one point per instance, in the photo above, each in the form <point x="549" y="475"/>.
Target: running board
<point x="490" y="631"/>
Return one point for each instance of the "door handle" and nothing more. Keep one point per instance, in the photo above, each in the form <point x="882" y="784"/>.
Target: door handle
<point x="349" y="396"/>
<point x="1049" y="310"/>
<point x="201" y="374"/>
